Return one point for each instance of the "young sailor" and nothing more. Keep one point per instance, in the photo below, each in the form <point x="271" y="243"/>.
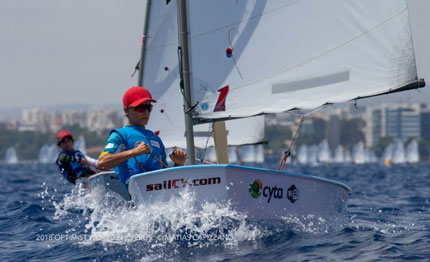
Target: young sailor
<point x="72" y="163"/>
<point x="134" y="149"/>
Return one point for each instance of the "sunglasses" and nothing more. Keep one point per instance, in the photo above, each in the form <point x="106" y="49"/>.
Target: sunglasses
<point x="143" y="108"/>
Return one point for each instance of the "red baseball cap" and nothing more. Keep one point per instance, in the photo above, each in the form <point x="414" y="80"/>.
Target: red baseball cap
<point x="135" y="96"/>
<point x="62" y="134"/>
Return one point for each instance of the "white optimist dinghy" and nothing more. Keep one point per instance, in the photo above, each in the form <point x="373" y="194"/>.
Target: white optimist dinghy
<point x="260" y="193"/>
<point x="239" y="60"/>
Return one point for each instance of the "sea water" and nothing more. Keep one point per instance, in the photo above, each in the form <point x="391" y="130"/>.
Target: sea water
<point x="45" y="218"/>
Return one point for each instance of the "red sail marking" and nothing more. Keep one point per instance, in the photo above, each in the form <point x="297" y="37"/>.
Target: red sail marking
<point x="220" y="104"/>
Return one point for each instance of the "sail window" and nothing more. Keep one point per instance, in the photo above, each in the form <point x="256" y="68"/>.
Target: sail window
<point x="310" y="83"/>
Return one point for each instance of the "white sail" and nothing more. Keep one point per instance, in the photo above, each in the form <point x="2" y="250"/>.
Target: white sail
<point x="313" y="155"/>
<point x="387" y="156"/>
<point x="412" y="153"/>
<point x="252" y="154"/>
<point x="302" y="155"/>
<point x="324" y="154"/>
<point x="369" y="156"/>
<point x="295" y="54"/>
<point x="347" y="156"/>
<point x="11" y="156"/>
<point x="161" y="77"/>
<point x="80" y="144"/>
<point x="398" y="152"/>
<point x="339" y="155"/>
<point x="210" y="154"/>
<point x="232" y="154"/>
<point x="43" y="152"/>
<point x="48" y="154"/>
<point x="358" y="153"/>
<point x="259" y="153"/>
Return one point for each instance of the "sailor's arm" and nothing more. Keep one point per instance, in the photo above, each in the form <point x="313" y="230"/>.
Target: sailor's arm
<point x="107" y="160"/>
<point x="89" y="161"/>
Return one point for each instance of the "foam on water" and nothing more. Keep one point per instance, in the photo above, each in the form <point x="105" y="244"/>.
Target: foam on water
<point x="314" y="224"/>
<point x="156" y="228"/>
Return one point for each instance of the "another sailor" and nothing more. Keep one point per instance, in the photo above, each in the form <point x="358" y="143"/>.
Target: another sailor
<point x="134" y="149"/>
<point x="73" y="163"/>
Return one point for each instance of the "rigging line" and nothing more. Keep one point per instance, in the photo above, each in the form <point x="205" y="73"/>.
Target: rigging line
<point x="181" y="79"/>
<point x="237" y="68"/>
<point x="288" y="152"/>
<point x="229" y="36"/>
<point x="310" y="113"/>
<point x="231" y="47"/>
<point x="244" y="20"/>
<point x="181" y="83"/>
<point x="229" y="25"/>
<point x="159" y="161"/>
<point x="205" y="161"/>
<point x="156" y="158"/>
<point x="136" y="68"/>
<point x="167" y="116"/>
<point x="152" y="155"/>
<point x="210" y="130"/>
<point x="191" y="108"/>
<point x="297" y="132"/>
<point x="138" y="163"/>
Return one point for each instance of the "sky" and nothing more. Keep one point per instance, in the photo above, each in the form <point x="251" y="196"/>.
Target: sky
<point x="55" y="52"/>
<point x="58" y="52"/>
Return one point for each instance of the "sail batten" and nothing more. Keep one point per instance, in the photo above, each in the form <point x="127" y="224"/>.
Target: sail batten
<point x="279" y="55"/>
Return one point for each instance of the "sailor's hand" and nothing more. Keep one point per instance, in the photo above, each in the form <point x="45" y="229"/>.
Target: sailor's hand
<point x="141" y="148"/>
<point x="178" y="157"/>
<point x="84" y="162"/>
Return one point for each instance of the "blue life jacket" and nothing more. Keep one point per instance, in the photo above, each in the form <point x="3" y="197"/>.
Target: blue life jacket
<point x="132" y="135"/>
<point x="72" y="169"/>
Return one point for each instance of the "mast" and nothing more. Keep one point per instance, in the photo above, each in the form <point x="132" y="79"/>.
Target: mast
<point x="142" y="53"/>
<point x="185" y="79"/>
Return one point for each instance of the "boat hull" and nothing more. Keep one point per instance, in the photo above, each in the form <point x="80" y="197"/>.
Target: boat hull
<point x="260" y="193"/>
<point x="108" y="181"/>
